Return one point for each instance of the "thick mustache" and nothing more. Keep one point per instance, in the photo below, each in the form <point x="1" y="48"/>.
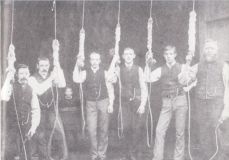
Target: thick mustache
<point x="44" y="71"/>
<point x="23" y="80"/>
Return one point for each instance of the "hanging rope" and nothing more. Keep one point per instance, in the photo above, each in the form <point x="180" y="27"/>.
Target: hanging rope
<point x="82" y="109"/>
<point x="112" y="69"/>
<point x="12" y="23"/>
<point x="216" y="141"/>
<point x="191" y="52"/>
<point x="13" y="96"/>
<point x="192" y="31"/>
<point x="83" y="14"/>
<point x="19" y="127"/>
<point x="54" y="10"/>
<point x="81" y="54"/>
<point x="189" y="125"/>
<point x="57" y="122"/>
<point x="149" y="116"/>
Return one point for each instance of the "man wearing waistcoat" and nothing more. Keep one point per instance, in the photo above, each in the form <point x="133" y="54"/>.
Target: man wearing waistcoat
<point x="210" y="96"/>
<point x="24" y="107"/>
<point x="173" y="103"/>
<point x="46" y="83"/>
<point x="134" y="97"/>
<point x="99" y="95"/>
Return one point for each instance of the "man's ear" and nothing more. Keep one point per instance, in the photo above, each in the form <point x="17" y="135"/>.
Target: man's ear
<point x="134" y="56"/>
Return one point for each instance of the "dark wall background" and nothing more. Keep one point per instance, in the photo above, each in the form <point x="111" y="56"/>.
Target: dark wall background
<point x="34" y="29"/>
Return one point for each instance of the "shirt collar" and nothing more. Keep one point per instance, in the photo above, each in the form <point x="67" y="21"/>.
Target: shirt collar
<point x="171" y="65"/>
<point x="129" y="65"/>
<point x="95" y="69"/>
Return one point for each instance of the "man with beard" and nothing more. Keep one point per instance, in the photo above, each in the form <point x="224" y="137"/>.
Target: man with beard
<point x="134" y="97"/>
<point x="174" y="102"/>
<point x="211" y="96"/>
<point x="99" y="94"/>
<point x="46" y="83"/>
<point x="24" y="107"/>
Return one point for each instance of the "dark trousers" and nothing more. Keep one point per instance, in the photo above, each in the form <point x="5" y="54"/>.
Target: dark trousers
<point x="209" y="114"/>
<point x="41" y="139"/>
<point x="133" y="124"/>
<point x="14" y="144"/>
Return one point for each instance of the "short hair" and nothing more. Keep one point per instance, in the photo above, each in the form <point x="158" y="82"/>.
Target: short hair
<point x="95" y="53"/>
<point x="129" y="49"/>
<point x="170" y="47"/>
<point x="19" y="66"/>
<point x="42" y="58"/>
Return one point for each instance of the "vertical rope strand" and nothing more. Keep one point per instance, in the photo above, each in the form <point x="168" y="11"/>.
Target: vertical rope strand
<point x="193" y="4"/>
<point x="19" y="126"/>
<point x="189" y="126"/>
<point x="54" y="9"/>
<point x="12" y="23"/>
<point x="151" y="6"/>
<point x="83" y="13"/>
<point x="119" y="8"/>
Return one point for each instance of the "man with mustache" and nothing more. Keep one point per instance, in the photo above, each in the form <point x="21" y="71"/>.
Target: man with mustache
<point x="99" y="94"/>
<point x="46" y="83"/>
<point x="23" y="106"/>
<point x="174" y="102"/>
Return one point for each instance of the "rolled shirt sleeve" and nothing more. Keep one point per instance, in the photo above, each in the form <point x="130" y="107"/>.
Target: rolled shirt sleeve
<point x="143" y="87"/>
<point x="6" y="91"/>
<point x="35" y="112"/>
<point x="110" y="89"/>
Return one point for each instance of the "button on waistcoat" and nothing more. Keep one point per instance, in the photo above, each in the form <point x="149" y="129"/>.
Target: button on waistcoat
<point x="130" y="81"/>
<point x="95" y="85"/>
<point x="209" y="80"/>
<point x="23" y="97"/>
<point x="169" y="80"/>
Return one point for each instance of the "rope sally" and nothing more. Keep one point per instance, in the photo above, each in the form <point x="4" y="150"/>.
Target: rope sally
<point x="81" y="54"/>
<point x="117" y="40"/>
<point x="191" y="52"/>
<point x="149" y="116"/>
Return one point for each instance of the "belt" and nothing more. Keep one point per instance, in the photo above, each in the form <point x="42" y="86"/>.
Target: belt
<point x="177" y="92"/>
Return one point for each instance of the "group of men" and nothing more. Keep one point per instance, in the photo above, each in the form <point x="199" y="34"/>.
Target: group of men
<point x="37" y="97"/>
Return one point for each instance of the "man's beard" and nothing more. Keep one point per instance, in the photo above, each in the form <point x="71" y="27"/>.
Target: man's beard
<point x="23" y="81"/>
